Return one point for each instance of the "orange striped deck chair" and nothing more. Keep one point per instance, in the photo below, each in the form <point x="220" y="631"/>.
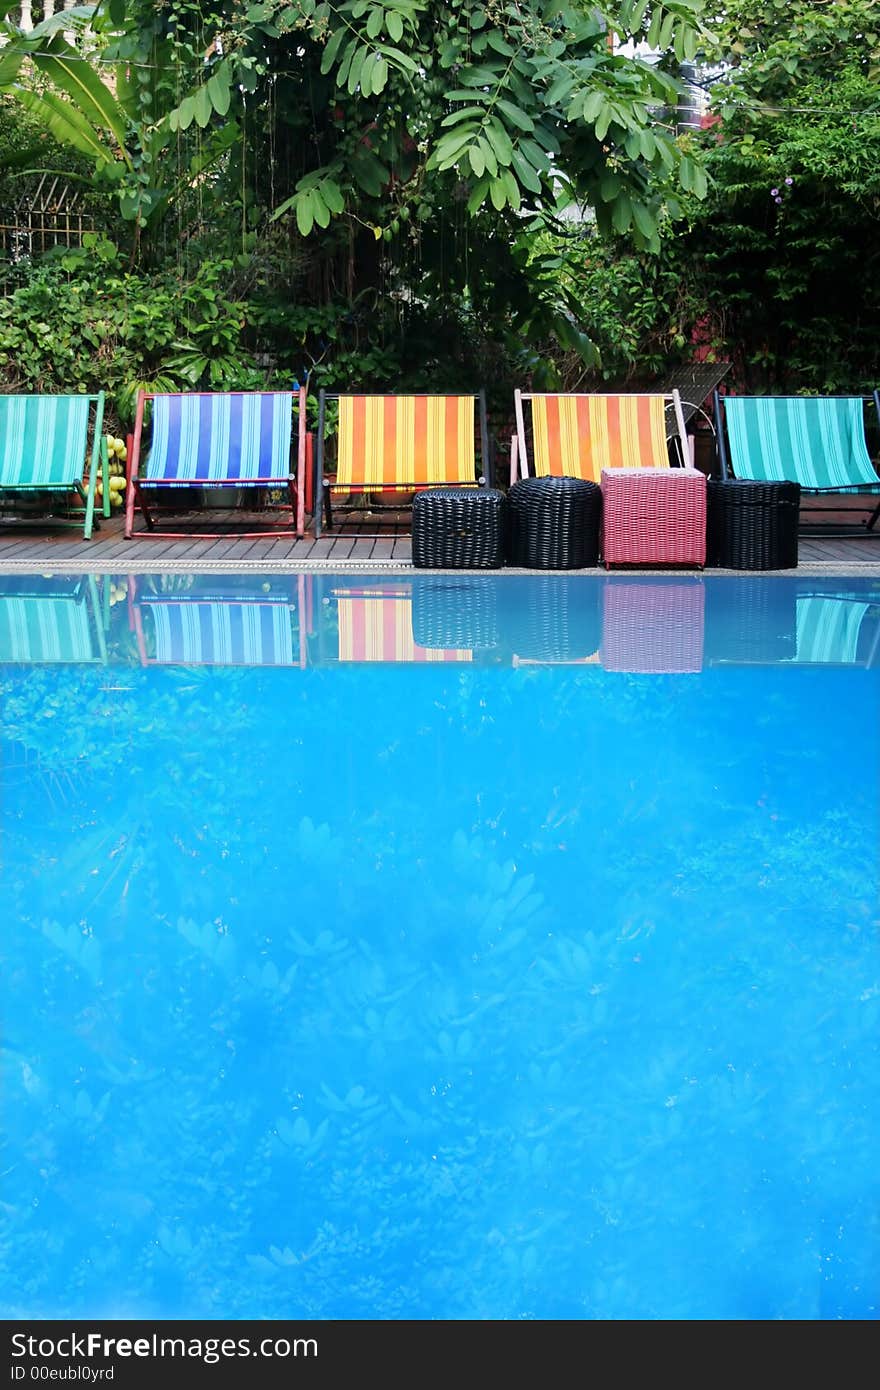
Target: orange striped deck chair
<point x="399" y="444"/>
<point x="576" y="436"/>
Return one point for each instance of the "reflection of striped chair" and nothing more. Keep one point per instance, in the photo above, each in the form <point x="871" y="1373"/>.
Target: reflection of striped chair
<point x="375" y="625"/>
<point x="237" y="439"/>
<point x="52" y="623"/>
<point x="818" y="442"/>
<point x="576" y="436"/>
<point x="192" y="629"/>
<point x="828" y="629"/>
<point x="44" y="453"/>
<point x="652" y="627"/>
<point x="399" y="444"/>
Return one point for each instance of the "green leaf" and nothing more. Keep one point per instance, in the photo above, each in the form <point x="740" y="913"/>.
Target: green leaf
<point x="478" y="196"/>
<point x="65" y="123"/>
<point x="331" y="49"/>
<point x="498" y="194"/>
<point x="332" y="195"/>
<point x="375" y="23"/>
<point x="511" y="188"/>
<point x="64" y="68"/>
<point x="202" y="107"/>
<point x="644" y="219"/>
<point x="537" y="157"/>
<point x="354" y="72"/>
<point x="380" y="75"/>
<point x="499" y="140"/>
<point x="304" y="216"/>
<point x="477" y="160"/>
<point x="515" y="115"/>
<point x="525" y="173"/>
<point x="621" y="213"/>
<point x="488" y="155"/>
<point x="320" y="210"/>
<point x="394" y="25"/>
<point x="219" y="89"/>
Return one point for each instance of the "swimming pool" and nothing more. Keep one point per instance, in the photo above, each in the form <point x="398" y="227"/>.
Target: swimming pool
<point x="440" y="947"/>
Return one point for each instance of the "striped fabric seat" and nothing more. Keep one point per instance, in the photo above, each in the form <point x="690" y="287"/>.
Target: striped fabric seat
<point x="398" y="443"/>
<point x="817" y="442"/>
<point x="828" y="629"/>
<point x="578" y="436"/>
<point x="208" y="632"/>
<point x="215" y="438"/>
<point x="38" y="629"/>
<point x="376" y="626"/>
<point x="43" y="441"/>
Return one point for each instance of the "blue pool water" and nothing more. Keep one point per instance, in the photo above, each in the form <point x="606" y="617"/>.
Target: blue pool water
<point x="482" y="948"/>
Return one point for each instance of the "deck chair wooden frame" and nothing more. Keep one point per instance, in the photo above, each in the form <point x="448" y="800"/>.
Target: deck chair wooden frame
<point x="629" y="435"/>
<point x="398" y="429"/>
<point x="198" y="441"/>
<point x="44" y="446"/>
<point x="818" y="469"/>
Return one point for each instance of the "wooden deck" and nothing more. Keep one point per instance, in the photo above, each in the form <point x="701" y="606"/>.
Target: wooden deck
<point x="369" y="545"/>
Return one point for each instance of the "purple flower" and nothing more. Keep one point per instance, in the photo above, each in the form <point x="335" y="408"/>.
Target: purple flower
<point x="777" y="200"/>
<point x="774" y="192"/>
<point x="789" y="182"/>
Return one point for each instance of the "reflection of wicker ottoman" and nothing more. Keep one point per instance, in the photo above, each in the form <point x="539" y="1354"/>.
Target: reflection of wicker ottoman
<point x="652" y="625"/>
<point x="455" y="613"/>
<point x="549" y="618"/>
<point x="653" y="516"/>
<point x="554" y="523"/>
<point x="752" y="526"/>
<point x="751" y="620"/>
<point x="458" y="528"/>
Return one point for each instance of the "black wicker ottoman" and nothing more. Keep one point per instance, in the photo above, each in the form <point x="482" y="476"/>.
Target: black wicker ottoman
<point x="751" y="525"/>
<point x="553" y="523"/>
<point x="458" y="528"/>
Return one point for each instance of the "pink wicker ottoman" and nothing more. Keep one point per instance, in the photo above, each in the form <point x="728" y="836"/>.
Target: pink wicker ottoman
<point x="651" y="625"/>
<point x="653" y="516"/>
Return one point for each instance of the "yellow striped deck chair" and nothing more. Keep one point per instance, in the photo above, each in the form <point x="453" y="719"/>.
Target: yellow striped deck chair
<point x="576" y="436"/>
<point x="399" y="444"/>
<point x="375" y="625"/>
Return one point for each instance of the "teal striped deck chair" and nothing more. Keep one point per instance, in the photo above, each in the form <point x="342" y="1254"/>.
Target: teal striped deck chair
<point x="216" y="440"/>
<point x="217" y="629"/>
<point x="51" y="624"/>
<point x="44" y="457"/>
<point x="816" y="441"/>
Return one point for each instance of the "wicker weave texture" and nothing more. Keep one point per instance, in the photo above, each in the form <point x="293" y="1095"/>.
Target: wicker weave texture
<point x="654" y="516"/>
<point x="752" y="525"/>
<point x="649" y="627"/>
<point x="458" y="528"/>
<point x="461" y="614"/>
<point x="750" y="621"/>
<point x="554" y="523"/>
<point x="552" y="618"/>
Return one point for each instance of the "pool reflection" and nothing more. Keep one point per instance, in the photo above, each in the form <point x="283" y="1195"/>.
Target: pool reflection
<point x="620" y="623"/>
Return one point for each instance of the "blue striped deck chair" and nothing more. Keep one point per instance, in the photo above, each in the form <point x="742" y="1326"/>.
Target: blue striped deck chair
<point x="217" y="440"/>
<point x="51" y="622"/>
<point x="817" y="441"/>
<point x="829" y="628"/>
<point x="221" y="629"/>
<point x="44" y="458"/>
